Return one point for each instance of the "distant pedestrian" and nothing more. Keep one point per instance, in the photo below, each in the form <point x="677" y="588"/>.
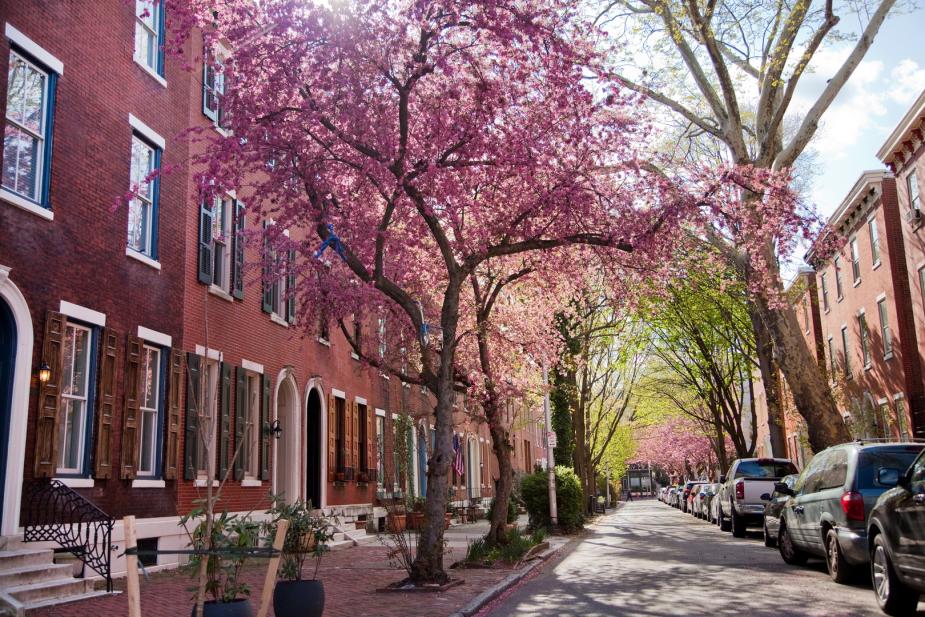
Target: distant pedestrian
<point x="629" y="495"/>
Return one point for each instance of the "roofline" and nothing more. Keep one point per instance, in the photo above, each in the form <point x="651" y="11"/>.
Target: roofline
<point x="902" y="129"/>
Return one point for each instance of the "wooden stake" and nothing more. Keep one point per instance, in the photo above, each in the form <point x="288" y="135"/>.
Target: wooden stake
<point x="266" y="596"/>
<point x="131" y="568"/>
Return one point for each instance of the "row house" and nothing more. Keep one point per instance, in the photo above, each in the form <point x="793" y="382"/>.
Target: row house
<point x="128" y="331"/>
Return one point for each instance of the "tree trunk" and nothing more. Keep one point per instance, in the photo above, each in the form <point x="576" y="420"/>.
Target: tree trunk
<point x="767" y="366"/>
<point x="497" y="533"/>
<point x="811" y="394"/>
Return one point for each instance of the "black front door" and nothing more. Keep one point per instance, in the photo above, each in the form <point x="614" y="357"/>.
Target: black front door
<point x="7" y="360"/>
<point x="313" y="449"/>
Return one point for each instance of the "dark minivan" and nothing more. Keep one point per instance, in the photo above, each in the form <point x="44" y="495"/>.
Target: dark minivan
<point x="826" y="514"/>
<point x="896" y="534"/>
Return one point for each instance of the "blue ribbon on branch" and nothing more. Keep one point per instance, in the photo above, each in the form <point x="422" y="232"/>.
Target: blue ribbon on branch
<point x="333" y="241"/>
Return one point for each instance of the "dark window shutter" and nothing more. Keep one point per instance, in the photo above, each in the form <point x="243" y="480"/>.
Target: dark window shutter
<point x="266" y="284"/>
<point x="208" y="82"/>
<point x="191" y="429"/>
<point x="171" y="454"/>
<point x="46" y="429"/>
<point x="205" y="243"/>
<point x="350" y="444"/>
<point x="332" y="437"/>
<point x="290" y="287"/>
<point x="237" y="265"/>
<point x="265" y="430"/>
<point x="130" y="434"/>
<point x="370" y="444"/>
<point x="240" y="420"/>
<point x="225" y="422"/>
<point x="105" y="404"/>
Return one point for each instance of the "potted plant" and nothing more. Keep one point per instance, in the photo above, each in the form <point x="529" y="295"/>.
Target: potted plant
<point x="307" y="537"/>
<point x="225" y="538"/>
<point x="415" y="518"/>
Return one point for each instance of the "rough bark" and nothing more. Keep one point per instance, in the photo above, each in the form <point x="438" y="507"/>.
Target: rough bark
<point x="502" y="447"/>
<point x="767" y="366"/>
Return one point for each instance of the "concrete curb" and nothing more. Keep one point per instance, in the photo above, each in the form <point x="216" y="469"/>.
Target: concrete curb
<point x="503" y="585"/>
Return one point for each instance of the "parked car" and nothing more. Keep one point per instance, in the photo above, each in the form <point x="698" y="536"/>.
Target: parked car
<point x="691" y="496"/>
<point x="748" y="479"/>
<point x="672" y="498"/>
<point x="772" y="510"/>
<point x="826" y="514"/>
<point x="714" y="506"/>
<point x="698" y="493"/>
<point x="685" y="493"/>
<point x="707" y="501"/>
<point x="896" y="538"/>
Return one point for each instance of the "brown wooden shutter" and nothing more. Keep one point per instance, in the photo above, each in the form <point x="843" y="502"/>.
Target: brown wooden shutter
<point x="332" y="437"/>
<point x="371" y="443"/>
<point x="46" y="429"/>
<point x="265" y="430"/>
<point x="240" y="421"/>
<point x="105" y="404"/>
<point x="224" y="431"/>
<point x="172" y="445"/>
<point x="133" y="377"/>
<point x="191" y="429"/>
<point x="349" y="443"/>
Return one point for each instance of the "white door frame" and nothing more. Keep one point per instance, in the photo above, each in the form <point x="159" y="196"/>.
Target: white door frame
<point x="291" y="434"/>
<point x="19" y="407"/>
<point x="315" y="384"/>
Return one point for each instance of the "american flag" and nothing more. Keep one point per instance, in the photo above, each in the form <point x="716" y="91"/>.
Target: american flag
<point x="458" y="460"/>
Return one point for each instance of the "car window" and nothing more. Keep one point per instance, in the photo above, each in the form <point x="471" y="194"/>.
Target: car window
<point x="835" y="472"/>
<point x="809" y="479"/>
<point x="764" y="469"/>
<point x="871" y="460"/>
<point x="917" y="475"/>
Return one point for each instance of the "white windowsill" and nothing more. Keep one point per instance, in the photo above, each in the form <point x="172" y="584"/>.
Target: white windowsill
<point x="888" y="356"/>
<point x="148" y="483"/>
<point x="324" y="341"/>
<point x="147" y="69"/>
<point x="876" y="265"/>
<point x="151" y="263"/>
<point x="251" y="483"/>
<point x="354" y="355"/>
<point x="202" y="482"/>
<point x="221" y="131"/>
<point x="24" y="204"/>
<point x="215" y="290"/>
<point x="857" y="282"/>
<point x="278" y="320"/>
<point x="76" y="482"/>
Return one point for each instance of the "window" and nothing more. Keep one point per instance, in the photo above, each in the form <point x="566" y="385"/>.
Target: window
<point x="885" y="329"/>
<point x="922" y="283"/>
<point x="865" y="339"/>
<point x="855" y="261"/>
<point x="142" y="210"/>
<point x="825" y="292"/>
<point x="764" y="469"/>
<point x="340" y="433"/>
<point x="874" y="241"/>
<point x="221" y="245"/>
<point x="528" y="462"/>
<point x="362" y="437"/>
<point x="149" y="35"/>
<point x="846" y="351"/>
<point x="835" y="471"/>
<point x="382" y="343"/>
<point x="279" y="283"/>
<point x="250" y="451"/>
<point x="207" y="416"/>
<point x="917" y="475"/>
<point x="27" y="132"/>
<point x="912" y="184"/>
<point x="76" y="399"/>
<point x="357" y="335"/>
<point x="883" y="419"/>
<point x="213" y="87"/>
<point x="806" y="314"/>
<point x="901" y="419"/>
<point x="150" y="411"/>
<point x="839" y="287"/>
<point x="221" y="250"/>
<point x="380" y="449"/>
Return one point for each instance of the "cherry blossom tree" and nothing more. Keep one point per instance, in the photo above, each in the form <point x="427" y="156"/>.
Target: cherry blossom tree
<point x="678" y="445"/>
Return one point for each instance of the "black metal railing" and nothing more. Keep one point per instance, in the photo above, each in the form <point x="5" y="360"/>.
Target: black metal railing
<point x="54" y="512"/>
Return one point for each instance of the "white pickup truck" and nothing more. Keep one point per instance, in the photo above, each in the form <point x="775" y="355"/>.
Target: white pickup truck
<point x="740" y="491"/>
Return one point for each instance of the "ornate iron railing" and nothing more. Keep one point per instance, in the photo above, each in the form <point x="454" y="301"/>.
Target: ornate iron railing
<point x="54" y="512"/>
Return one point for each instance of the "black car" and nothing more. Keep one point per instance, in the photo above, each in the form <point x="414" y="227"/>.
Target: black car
<point x="773" y="509"/>
<point x="826" y="514"/>
<point x="685" y="493"/>
<point x="896" y="536"/>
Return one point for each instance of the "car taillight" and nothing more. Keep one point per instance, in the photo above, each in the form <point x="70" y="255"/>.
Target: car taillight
<point x="852" y="503"/>
<point x="740" y="490"/>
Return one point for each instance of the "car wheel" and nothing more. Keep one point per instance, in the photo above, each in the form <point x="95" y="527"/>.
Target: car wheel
<point x="769" y="540"/>
<point x="840" y="570"/>
<point x="788" y="550"/>
<point x="893" y="597"/>
<point x="724" y="523"/>
<point x="738" y="524"/>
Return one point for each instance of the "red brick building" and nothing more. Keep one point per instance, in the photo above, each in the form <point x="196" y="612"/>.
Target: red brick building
<point x="146" y="314"/>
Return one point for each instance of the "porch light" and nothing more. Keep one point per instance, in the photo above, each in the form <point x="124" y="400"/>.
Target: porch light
<point x="44" y="372"/>
<point x="275" y="429"/>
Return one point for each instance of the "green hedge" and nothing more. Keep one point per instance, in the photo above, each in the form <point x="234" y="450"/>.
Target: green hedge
<point x="569" y="498"/>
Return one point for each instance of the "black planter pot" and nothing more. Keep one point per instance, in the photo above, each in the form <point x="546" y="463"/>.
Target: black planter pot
<point x="236" y="608"/>
<point x="298" y="599"/>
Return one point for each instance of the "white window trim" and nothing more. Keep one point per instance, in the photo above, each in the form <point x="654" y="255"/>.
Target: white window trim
<point x="147" y="69"/>
<point x="148" y="483"/>
<point x="34" y="49"/>
<point x="899" y="396"/>
<point x="395" y="416"/>
<point x="82" y="313"/>
<point x="278" y="320"/>
<point x="860" y="311"/>
<point x="882" y="296"/>
<point x="153" y="336"/>
<point x="215" y="290"/>
<point x="76" y="482"/>
<point x="353" y="354"/>
<point x="24" y="204"/>
<point x="214" y="354"/>
<point x="361" y="401"/>
<point x="380" y="412"/>
<point x="202" y="481"/>
<point x="152" y="263"/>
<point x="253" y="367"/>
<point x="147" y="132"/>
<point x="338" y="393"/>
<point x="251" y="483"/>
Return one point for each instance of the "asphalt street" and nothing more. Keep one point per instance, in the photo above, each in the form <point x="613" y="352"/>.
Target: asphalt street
<point x="649" y="559"/>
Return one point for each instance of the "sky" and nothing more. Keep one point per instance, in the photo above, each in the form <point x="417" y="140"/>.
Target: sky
<point x="871" y="104"/>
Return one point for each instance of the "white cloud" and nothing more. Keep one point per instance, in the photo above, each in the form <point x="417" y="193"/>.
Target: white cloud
<point x="907" y="81"/>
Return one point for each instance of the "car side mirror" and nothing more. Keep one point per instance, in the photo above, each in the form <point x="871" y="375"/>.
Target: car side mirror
<point x="722" y="479"/>
<point x="783" y="489"/>
<point x="888" y="476"/>
<point x="765" y="496"/>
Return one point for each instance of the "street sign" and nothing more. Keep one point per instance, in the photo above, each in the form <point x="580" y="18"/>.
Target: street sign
<point x="551" y="439"/>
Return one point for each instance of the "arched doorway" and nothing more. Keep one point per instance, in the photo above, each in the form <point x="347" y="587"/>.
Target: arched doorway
<point x="288" y="457"/>
<point x="314" y="451"/>
<point x="7" y="370"/>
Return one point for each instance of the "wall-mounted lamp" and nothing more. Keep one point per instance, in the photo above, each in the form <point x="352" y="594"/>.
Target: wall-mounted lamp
<point x="44" y="372"/>
<point x="275" y="429"/>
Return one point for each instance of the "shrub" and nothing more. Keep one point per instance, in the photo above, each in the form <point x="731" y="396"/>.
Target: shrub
<point x="516" y="547"/>
<point x="569" y="499"/>
<point x="478" y="551"/>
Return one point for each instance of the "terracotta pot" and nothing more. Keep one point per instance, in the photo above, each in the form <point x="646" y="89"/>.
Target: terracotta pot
<point x="415" y="520"/>
<point x="360" y="524"/>
<point x="396" y="522"/>
<point x="308" y="542"/>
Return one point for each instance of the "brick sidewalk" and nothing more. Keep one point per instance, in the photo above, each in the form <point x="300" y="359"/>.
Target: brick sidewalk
<point x="350" y="576"/>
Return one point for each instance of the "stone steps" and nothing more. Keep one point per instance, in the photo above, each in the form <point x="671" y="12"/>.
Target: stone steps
<point x="29" y="578"/>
